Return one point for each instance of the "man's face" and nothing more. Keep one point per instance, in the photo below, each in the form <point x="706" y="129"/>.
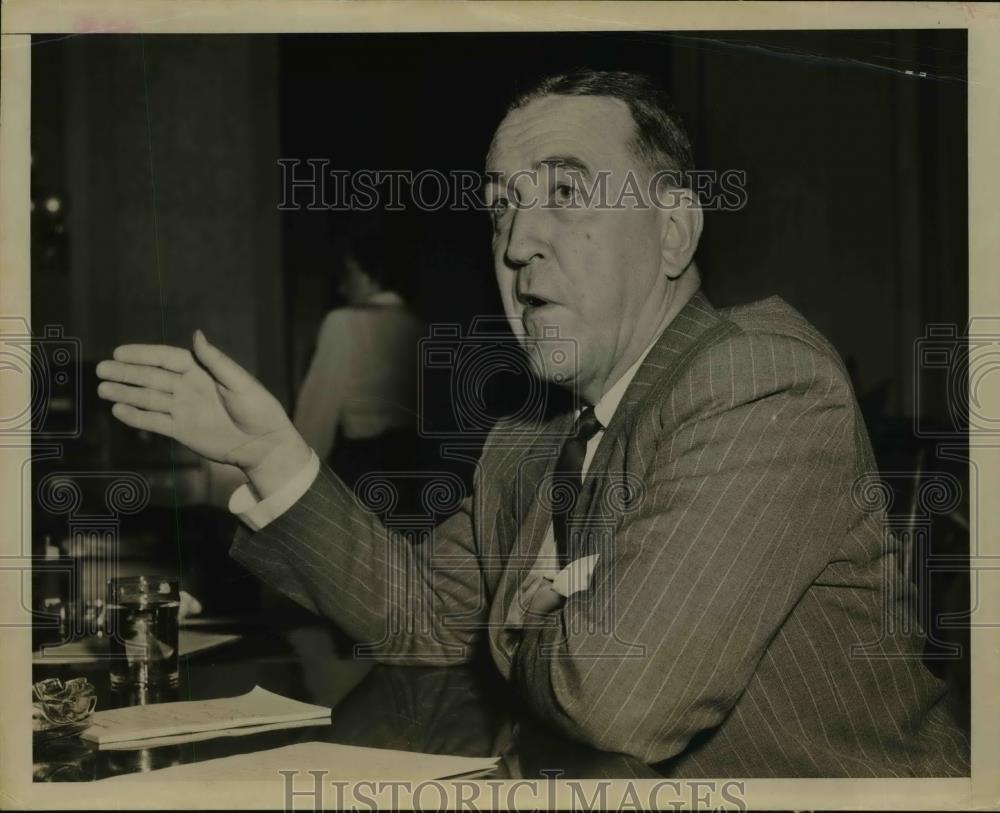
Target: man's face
<point x="592" y="272"/>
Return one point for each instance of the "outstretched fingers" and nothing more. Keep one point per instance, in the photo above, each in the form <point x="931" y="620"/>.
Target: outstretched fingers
<point x="141" y="397"/>
<point x="156" y="422"/>
<point x="140" y="375"/>
<point x="175" y="359"/>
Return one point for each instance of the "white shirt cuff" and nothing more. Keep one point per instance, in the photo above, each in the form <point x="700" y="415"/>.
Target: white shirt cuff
<point x="256" y="514"/>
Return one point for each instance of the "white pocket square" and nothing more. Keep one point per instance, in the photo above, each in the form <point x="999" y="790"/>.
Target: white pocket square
<point x="575" y="576"/>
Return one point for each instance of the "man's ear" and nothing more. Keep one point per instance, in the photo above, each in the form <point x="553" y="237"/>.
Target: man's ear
<point x="680" y="230"/>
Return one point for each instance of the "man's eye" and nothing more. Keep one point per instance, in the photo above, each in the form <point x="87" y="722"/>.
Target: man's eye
<point x="564" y="193"/>
<point x="499" y="206"/>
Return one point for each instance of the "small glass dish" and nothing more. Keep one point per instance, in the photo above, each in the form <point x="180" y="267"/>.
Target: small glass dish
<point x="61" y="709"/>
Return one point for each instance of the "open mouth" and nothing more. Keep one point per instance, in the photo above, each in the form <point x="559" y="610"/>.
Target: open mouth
<point x="532" y="303"/>
<point x="536" y="316"/>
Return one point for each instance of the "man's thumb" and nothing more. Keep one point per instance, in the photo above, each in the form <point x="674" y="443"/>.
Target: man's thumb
<point x="222" y="368"/>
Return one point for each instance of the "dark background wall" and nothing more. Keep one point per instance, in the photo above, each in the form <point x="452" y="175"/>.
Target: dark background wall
<point x="163" y="150"/>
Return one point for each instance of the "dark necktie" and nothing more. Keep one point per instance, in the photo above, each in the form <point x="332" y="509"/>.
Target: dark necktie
<point x="566" y="478"/>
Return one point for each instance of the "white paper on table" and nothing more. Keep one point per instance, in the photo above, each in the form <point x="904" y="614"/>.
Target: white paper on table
<point x="178" y="739"/>
<point x="347" y="762"/>
<point x="575" y="576"/>
<point x="256" y="707"/>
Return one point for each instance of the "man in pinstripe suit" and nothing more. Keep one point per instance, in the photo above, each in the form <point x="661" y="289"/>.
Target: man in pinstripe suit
<point x="713" y="600"/>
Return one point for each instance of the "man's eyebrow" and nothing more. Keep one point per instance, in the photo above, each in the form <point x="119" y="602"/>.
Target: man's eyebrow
<point x="566" y="162"/>
<point x="498" y="178"/>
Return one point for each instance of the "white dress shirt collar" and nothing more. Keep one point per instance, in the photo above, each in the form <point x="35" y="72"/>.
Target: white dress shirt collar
<point x="606" y="407"/>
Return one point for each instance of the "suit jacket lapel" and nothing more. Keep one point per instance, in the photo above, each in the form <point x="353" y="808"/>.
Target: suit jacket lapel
<point x="531" y="514"/>
<point x="531" y="519"/>
<point x="535" y="470"/>
<point x="681" y="338"/>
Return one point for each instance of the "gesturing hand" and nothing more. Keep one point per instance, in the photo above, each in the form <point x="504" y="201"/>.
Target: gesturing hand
<point x="207" y="402"/>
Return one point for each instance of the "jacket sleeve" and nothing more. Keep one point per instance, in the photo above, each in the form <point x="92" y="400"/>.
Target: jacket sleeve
<point x="745" y="497"/>
<point x="407" y="603"/>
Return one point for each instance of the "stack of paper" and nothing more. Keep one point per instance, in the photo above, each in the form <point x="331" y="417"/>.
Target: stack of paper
<point x="345" y="762"/>
<point x="260" y="709"/>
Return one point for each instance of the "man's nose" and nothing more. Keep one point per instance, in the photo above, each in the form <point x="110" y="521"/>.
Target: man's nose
<point x="525" y="242"/>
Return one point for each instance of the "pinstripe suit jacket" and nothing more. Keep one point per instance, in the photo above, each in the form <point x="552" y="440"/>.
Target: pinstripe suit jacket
<point x="738" y="622"/>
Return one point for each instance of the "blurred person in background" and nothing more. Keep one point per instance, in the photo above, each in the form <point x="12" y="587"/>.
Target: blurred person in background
<point x="357" y="405"/>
